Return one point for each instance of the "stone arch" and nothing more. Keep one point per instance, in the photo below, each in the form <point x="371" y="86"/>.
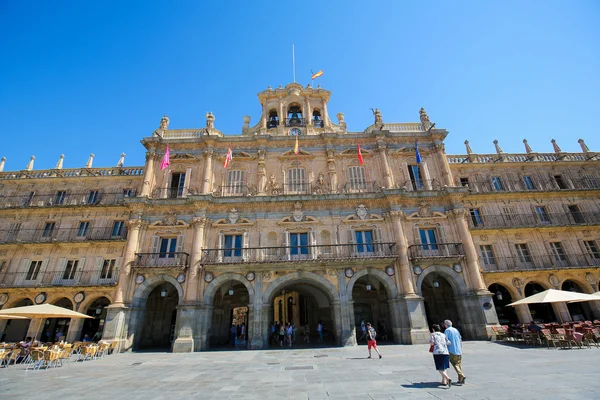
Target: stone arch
<point x="582" y="283"/>
<point x="11" y="303"/>
<point x="142" y="292"/>
<point x="90" y="299"/>
<point x="297" y="277"/>
<point x="514" y="293"/>
<point x="456" y="280"/>
<point x="385" y="279"/>
<point x="211" y="289"/>
<point x="545" y="285"/>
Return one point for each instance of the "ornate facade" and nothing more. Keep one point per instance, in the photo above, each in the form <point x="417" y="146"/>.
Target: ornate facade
<point x="173" y="257"/>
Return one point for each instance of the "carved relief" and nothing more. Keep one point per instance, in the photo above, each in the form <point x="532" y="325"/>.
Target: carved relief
<point x="298" y="214"/>
<point x="233" y="216"/>
<point x="362" y="212"/>
<point x="518" y="284"/>
<point x="273" y="187"/>
<point x="553" y="280"/>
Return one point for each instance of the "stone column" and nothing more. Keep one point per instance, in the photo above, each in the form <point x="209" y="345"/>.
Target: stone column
<point x="337" y="321"/>
<point x="562" y="311"/>
<point x="207" y="182"/>
<point x="191" y="287"/>
<point x="472" y="270"/>
<point x="262" y="172"/>
<point x="3" y="323"/>
<point x="259" y="318"/>
<point x="75" y="327"/>
<point x="203" y="327"/>
<point x="347" y="312"/>
<point x="325" y="115"/>
<point x="308" y="111"/>
<point x="332" y="171"/>
<point x="128" y="258"/>
<point x="523" y="313"/>
<point x="444" y="165"/>
<point x="385" y="166"/>
<point x="403" y="262"/>
<point x="148" y="175"/>
<point x="36" y="325"/>
<point x="426" y="175"/>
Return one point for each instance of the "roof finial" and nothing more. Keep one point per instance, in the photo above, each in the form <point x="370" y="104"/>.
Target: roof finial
<point x="59" y="164"/>
<point x="497" y="146"/>
<point x="2" y="162"/>
<point x="469" y="151"/>
<point x="584" y="147"/>
<point x="90" y="161"/>
<point x="555" y="146"/>
<point x="527" y="147"/>
<point x="30" y="164"/>
<point x="121" y="160"/>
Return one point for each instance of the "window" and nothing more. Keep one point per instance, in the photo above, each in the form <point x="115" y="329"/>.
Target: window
<point x="497" y="184"/>
<point x="357" y="178"/>
<point x="364" y="241"/>
<point x="60" y="197"/>
<point x="508" y="213"/>
<point x="108" y="269"/>
<point x="316" y="119"/>
<point x="295" y="116"/>
<point x="34" y="270"/>
<point x="128" y="193"/>
<point x="464" y="181"/>
<point x="296" y="180"/>
<point x="415" y="177"/>
<point x="168" y="247"/>
<point x="523" y="253"/>
<point x="233" y="246"/>
<point x="557" y="250"/>
<point x="592" y="249"/>
<point x="542" y="214"/>
<point x="576" y="214"/>
<point x="428" y="239"/>
<point x="235" y="182"/>
<point x="528" y="182"/>
<point x="118" y="228"/>
<point x="29" y="198"/>
<point x="93" y="197"/>
<point x="83" y="228"/>
<point x="487" y="254"/>
<point x="177" y="184"/>
<point x="48" y="229"/>
<point x="475" y="217"/>
<point x="13" y="231"/>
<point x="2" y="266"/>
<point x="273" y="120"/>
<point x="590" y="181"/>
<point x="70" y="269"/>
<point x="562" y="184"/>
<point x="298" y="243"/>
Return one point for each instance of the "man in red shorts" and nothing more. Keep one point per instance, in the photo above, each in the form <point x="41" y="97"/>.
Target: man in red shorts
<point x="371" y="334"/>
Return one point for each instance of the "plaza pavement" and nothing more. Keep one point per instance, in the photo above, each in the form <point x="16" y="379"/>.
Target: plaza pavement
<point x="493" y="370"/>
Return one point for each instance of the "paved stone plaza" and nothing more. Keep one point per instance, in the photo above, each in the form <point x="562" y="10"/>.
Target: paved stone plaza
<point x="494" y="371"/>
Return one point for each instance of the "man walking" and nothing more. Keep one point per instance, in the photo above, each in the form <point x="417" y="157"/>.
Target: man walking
<point x="371" y="335"/>
<point x="455" y="349"/>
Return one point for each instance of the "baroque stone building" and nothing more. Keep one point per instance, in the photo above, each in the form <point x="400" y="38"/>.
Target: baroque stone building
<point x="172" y="258"/>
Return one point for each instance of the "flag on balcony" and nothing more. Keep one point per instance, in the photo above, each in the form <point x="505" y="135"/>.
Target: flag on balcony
<point x="360" y="157"/>
<point x="417" y="154"/>
<point x="316" y="74"/>
<point x="228" y="157"/>
<point x="166" y="161"/>
<point x="296" y="146"/>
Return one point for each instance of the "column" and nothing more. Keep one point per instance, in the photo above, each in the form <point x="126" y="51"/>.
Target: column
<point x="207" y="182"/>
<point x="325" y="115"/>
<point x="444" y="165"/>
<point x="258" y="322"/>
<point x="75" y="327"/>
<point x="191" y="286"/>
<point x="262" y="172"/>
<point x="307" y="111"/>
<point x="472" y="270"/>
<point x="385" y="166"/>
<point x="426" y="175"/>
<point x="148" y="175"/>
<point x="128" y="258"/>
<point x="408" y="287"/>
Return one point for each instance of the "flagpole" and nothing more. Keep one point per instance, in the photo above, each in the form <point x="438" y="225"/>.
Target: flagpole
<point x="293" y="64"/>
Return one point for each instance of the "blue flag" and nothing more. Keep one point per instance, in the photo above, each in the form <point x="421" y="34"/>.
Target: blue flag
<point x="417" y="154"/>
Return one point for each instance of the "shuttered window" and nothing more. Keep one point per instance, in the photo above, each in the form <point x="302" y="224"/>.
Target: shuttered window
<point x="296" y="182"/>
<point x="357" y="178"/>
<point x="235" y="182"/>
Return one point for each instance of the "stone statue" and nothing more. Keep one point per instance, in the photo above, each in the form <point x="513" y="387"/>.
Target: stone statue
<point x="320" y="186"/>
<point x="341" y="122"/>
<point x="424" y="117"/>
<point x="378" y="117"/>
<point x="273" y="188"/>
<point x="210" y="120"/>
<point x="164" y="123"/>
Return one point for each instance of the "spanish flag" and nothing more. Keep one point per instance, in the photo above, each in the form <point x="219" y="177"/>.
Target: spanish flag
<point x="317" y="74"/>
<point x="296" y="146"/>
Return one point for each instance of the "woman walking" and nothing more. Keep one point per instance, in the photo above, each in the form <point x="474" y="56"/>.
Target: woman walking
<point x="439" y="347"/>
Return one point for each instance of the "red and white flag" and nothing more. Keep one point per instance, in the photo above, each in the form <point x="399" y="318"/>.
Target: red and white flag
<point x="360" y="157"/>
<point x="166" y="161"/>
<point x="228" y="157"/>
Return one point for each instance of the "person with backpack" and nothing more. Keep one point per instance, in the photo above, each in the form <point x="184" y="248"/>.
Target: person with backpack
<point x="371" y="335"/>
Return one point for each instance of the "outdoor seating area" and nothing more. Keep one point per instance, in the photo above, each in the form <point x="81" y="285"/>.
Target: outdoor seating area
<point x="567" y="335"/>
<point x="52" y="355"/>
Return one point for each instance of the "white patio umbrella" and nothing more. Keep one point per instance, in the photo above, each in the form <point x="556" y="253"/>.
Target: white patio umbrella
<point x="16" y="317"/>
<point x="555" y="296"/>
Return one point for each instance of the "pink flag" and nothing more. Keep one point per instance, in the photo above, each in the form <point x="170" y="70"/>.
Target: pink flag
<point x="166" y="161"/>
<point x="228" y="157"/>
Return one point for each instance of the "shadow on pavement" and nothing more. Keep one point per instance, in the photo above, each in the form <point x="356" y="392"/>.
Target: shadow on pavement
<point x="422" y="385"/>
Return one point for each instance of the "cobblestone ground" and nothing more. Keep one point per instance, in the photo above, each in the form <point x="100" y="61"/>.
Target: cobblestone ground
<point x="494" y="371"/>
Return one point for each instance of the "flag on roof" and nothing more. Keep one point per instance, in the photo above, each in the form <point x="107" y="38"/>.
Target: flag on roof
<point x="317" y="74"/>
<point x="228" y="157"/>
<point x="360" y="157"/>
<point x="166" y="161"/>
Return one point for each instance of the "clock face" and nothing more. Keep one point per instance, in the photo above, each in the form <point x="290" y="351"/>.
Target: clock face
<point x="295" y="132"/>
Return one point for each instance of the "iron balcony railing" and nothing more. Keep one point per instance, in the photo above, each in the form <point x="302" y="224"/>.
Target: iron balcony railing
<point x="79" y="277"/>
<point x="162" y="260"/>
<point x="535" y="184"/>
<point x="173" y="193"/>
<point x="297" y="188"/>
<point x="535" y="262"/>
<point x="234" y="191"/>
<point x="533" y="220"/>
<point x="361" y="187"/>
<point x="298" y="253"/>
<point x="295" y="122"/>
<point x="421" y="185"/>
<point x="62" y="235"/>
<point x="438" y="250"/>
<point x="64" y="199"/>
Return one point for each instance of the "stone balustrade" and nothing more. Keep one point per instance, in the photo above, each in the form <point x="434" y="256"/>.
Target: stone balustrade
<point x="520" y="158"/>
<point x="73" y="173"/>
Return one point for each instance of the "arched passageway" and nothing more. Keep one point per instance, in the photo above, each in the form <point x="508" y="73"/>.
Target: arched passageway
<point x="230" y="316"/>
<point x="370" y="301"/>
<point x="16" y="329"/>
<point x="96" y="309"/>
<point x="502" y="298"/>
<point x="579" y="311"/>
<point x="56" y="329"/>
<point x="439" y="299"/>
<point x="160" y="315"/>
<point x="542" y="312"/>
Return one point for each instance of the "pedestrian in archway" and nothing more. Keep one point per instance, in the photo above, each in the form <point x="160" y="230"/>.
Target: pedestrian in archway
<point x="232" y="334"/>
<point x="320" y="331"/>
<point x="441" y="357"/>
<point x="371" y="342"/>
<point x="455" y="349"/>
<point x="281" y="335"/>
<point x="289" y="332"/>
<point x="363" y="329"/>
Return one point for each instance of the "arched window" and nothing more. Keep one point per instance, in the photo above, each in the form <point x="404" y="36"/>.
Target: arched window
<point x="316" y="119"/>
<point x="294" y="116"/>
<point x="273" y="121"/>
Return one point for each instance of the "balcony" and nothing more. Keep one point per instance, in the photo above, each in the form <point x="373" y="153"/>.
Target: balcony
<point x="85" y="199"/>
<point x="260" y="255"/>
<point x="436" y="251"/>
<point x="59" y="235"/>
<point x="526" y="263"/>
<point x="60" y="278"/>
<point x="173" y="193"/>
<point x="361" y="187"/>
<point x="536" y="184"/>
<point x="234" y="191"/>
<point x="297" y="188"/>
<point x="177" y="260"/>
<point x="500" y="221"/>
<point x="295" y="122"/>
<point x="421" y="185"/>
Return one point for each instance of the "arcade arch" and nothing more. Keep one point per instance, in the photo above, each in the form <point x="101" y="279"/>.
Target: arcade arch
<point x="543" y="312"/>
<point x="507" y="315"/>
<point x="16" y="329"/>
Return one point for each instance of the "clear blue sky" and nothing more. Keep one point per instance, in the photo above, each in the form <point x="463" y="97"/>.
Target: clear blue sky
<point x="81" y="76"/>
